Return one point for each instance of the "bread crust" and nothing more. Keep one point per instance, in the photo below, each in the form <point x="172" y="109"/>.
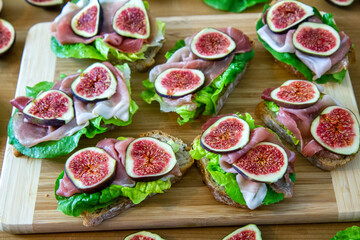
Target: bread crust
<point x="122" y="203"/>
<point x="269" y="118"/>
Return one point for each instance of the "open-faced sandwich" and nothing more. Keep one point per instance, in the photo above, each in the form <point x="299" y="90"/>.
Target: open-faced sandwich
<point x="108" y="30"/>
<point x="324" y="132"/>
<point x="100" y="182"/>
<point x="50" y="120"/>
<point x="305" y="41"/>
<point x="232" y="5"/>
<point x="243" y="165"/>
<point x="200" y="73"/>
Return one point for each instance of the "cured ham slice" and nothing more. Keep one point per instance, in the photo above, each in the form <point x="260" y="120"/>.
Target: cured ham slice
<point x="61" y="28"/>
<point x="253" y="192"/>
<point x="280" y="42"/>
<point x="117" y="150"/>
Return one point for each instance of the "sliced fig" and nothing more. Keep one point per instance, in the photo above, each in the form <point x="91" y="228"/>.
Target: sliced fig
<point x="342" y="3"/>
<point x="95" y="83"/>
<point x="265" y="162"/>
<point x="248" y="232"/>
<point x="90" y="169"/>
<point x="178" y="82"/>
<point x="148" y="157"/>
<point x="7" y="35"/>
<point x="44" y="3"/>
<point x="86" y="22"/>
<point x="131" y="20"/>
<point x="53" y="108"/>
<point x="296" y="94"/>
<point x="337" y="130"/>
<point x="210" y="43"/>
<point x="143" y="235"/>
<point x="316" y="39"/>
<point x="287" y="14"/>
<point x="226" y="135"/>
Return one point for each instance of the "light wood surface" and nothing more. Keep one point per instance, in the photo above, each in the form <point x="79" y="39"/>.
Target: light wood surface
<point x="242" y="99"/>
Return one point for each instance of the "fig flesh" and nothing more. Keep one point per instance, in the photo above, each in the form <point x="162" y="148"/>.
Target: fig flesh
<point x="265" y="162"/>
<point x="131" y="20"/>
<point x="296" y="94"/>
<point x="342" y="3"/>
<point x="337" y="129"/>
<point x="7" y="35"/>
<point x="178" y="82"/>
<point x="143" y="235"/>
<point x="95" y="83"/>
<point x="148" y="157"/>
<point x="316" y="39"/>
<point x="210" y="43"/>
<point x="86" y="22"/>
<point x="248" y="232"/>
<point x="286" y="14"/>
<point x="90" y="169"/>
<point x="226" y="135"/>
<point x="44" y="3"/>
<point x="53" y="108"/>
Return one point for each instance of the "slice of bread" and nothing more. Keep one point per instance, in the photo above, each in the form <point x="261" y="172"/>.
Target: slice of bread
<point x="218" y="191"/>
<point x="269" y="118"/>
<point x="184" y="160"/>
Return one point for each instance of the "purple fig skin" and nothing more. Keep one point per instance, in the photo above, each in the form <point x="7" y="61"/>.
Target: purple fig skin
<point x="47" y="122"/>
<point x="53" y="3"/>
<point x="97" y="188"/>
<point x="176" y="97"/>
<point x="349" y="2"/>
<point x="293" y="106"/>
<point x="213" y="151"/>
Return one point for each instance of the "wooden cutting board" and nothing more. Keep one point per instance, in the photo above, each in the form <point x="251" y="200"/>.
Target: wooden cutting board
<point x="27" y="202"/>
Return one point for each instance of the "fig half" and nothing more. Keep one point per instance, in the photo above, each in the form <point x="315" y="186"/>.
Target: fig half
<point x="337" y="130"/>
<point x="342" y="3"/>
<point x="95" y="83"/>
<point x="316" y="39"/>
<point x="148" y="157"/>
<point x="265" y="162"/>
<point x="44" y="3"/>
<point x="53" y="108"/>
<point x="178" y="82"/>
<point x="248" y="232"/>
<point x="143" y="235"/>
<point x="131" y="20"/>
<point x="210" y="43"/>
<point x="287" y="14"/>
<point x="90" y="169"/>
<point x="7" y="35"/>
<point x="226" y="135"/>
<point x="86" y="22"/>
<point x="296" y="94"/>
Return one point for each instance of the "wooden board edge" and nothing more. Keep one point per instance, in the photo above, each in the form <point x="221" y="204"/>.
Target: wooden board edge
<point x="22" y="186"/>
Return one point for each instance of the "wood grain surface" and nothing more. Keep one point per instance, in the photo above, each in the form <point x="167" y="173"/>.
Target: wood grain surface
<point x="24" y="16"/>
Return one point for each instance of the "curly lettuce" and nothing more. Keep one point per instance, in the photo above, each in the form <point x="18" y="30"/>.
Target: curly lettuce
<point x="351" y="233"/>
<point x="65" y="145"/>
<point x="80" y="202"/>
<point x="228" y="180"/>
<point x="293" y="60"/>
<point x="232" y="5"/>
<point x="206" y="98"/>
<point x="100" y="51"/>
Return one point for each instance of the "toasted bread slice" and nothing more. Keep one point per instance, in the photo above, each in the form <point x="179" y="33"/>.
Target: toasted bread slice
<point x="184" y="160"/>
<point x="269" y="118"/>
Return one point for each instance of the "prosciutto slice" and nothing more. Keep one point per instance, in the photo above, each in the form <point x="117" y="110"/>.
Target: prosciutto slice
<point x="253" y="192"/>
<point x="61" y="28"/>
<point x="117" y="150"/>
<point x="117" y="106"/>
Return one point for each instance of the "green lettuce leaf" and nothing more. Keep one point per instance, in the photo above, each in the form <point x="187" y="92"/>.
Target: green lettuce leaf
<point x="275" y="108"/>
<point x="293" y="60"/>
<point x="232" y="5"/>
<point x="207" y="97"/>
<point x="99" y="50"/>
<point x="81" y="202"/>
<point x="51" y="149"/>
<point x="228" y="180"/>
<point x="351" y="233"/>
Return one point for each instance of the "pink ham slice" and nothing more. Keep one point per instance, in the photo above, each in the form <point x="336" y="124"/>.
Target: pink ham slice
<point x="63" y="33"/>
<point x="117" y="150"/>
<point x="117" y="106"/>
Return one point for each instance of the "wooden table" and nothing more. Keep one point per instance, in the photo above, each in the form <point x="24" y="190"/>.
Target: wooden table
<point x="23" y="16"/>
